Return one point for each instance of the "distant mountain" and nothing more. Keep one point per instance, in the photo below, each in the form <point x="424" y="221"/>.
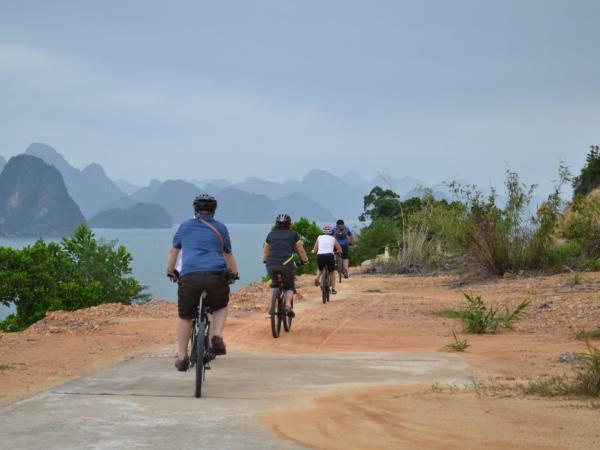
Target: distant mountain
<point x="126" y="186"/>
<point x="337" y="196"/>
<point x="400" y="185"/>
<point x="34" y="200"/>
<point x="90" y="187"/>
<point x="2" y="163"/>
<point x="142" y="215"/>
<point x="299" y="205"/>
<point x="237" y="206"/>
<point x="219" y="183"/>
<point x="177" y="196"/>
<point x="146" y="194"/>
<point x="261" y="187"/>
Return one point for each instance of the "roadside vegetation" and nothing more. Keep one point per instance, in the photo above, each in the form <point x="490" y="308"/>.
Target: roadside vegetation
<point x="457" y="345"/>
<point x="584" y="381"/>
<point x="499" y="233"/>
<point x="478" y="317"/>
<point x="78" y="272"/>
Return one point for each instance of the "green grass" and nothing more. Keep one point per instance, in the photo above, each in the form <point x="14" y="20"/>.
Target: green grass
<point x="584" y="382"/>
<point x="6" y="367"/>
<point x="457" y="345"/>
<point x="549" y="387"/>
<point x="588" y="335"/>
<point x="479" y="318"/>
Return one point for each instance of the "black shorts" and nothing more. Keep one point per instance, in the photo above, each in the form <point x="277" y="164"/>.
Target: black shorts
<point x="344" y="251"/>
<point x="326" y="260"/>
<point x="191" y="286"/>
<point x="288" y="273"/>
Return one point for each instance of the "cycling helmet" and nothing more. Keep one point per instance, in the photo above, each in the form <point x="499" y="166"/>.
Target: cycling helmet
<point x="283" y="220"/>
<point x="205" y="202"/>
<point x="327" y="229"/>
<point x="340" y="222"/>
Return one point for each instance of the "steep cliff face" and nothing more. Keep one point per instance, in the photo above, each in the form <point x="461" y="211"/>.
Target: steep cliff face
<point x="90" y="187"/>
<point x="34" y="200"/>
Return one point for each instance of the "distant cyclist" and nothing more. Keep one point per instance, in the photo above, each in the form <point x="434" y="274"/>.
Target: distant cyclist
<point x="325" y="247"/>
<point x="207" y="265"/>
<point x="278" y="255"/>
<point x="344" y="236"/>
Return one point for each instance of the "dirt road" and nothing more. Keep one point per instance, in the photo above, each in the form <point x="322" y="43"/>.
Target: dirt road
<point x="391" y="408"/>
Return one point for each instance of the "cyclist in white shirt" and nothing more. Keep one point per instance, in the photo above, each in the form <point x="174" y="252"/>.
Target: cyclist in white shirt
<point x="325" y="247"/>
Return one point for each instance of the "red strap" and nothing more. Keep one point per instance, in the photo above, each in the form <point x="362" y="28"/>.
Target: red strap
<point x="216" y="232"/>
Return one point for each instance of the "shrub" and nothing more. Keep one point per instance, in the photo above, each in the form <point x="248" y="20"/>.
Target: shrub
<point x="77" y="273"/>
<point x="587" y="373"/>
<point x="589" y="178"/>
<point x="479" y="318"/>
<point x="309" y="232"/>
<point x="371" y="240"/>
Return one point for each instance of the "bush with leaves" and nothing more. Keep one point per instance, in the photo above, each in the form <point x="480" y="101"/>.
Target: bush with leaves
<point x="589" y="178"/>
<point x="309" y="232"/>
<point x="78" y="273"/>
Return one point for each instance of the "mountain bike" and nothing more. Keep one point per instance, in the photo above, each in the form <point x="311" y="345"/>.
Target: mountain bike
<point x="339" y="265"/>
<point x="325" y="285"/>
<point x="200" y="353"/>
<point x="277" y="311"/>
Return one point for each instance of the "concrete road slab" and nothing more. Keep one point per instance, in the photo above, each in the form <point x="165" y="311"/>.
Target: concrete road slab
<point x="145" y="404"/>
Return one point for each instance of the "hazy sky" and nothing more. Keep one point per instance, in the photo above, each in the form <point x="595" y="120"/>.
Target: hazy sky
<point x="202" y="89"/>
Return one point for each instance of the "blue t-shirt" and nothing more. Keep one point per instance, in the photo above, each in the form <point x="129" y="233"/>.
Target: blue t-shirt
<point x="341" y="234"/>
<point x="202" y="250"/>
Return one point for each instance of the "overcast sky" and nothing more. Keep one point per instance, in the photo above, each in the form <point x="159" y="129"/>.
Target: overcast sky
<point x="201" y="89"/>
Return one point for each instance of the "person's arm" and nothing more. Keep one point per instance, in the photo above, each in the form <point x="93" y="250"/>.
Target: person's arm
<point x="350" y="237"/>
<point x="316" y="246"/>
<point x="230" y="260"/>
<point x="266" y="249"/>
<point x="172" y="259"/>
<point x="338" y="247"/>
<point x="301" y="252"/>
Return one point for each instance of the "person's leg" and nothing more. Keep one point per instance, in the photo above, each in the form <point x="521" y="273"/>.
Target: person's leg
<point x="217" y="322"/>
<point x="318" y="279"/>
<point x="289" y="296"/>
<point x="184" y="331"/>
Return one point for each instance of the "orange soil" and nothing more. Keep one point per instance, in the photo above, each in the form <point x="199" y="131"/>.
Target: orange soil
<point x="371" y="313"/>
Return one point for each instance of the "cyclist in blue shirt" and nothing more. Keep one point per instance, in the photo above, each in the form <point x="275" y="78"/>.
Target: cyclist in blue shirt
<point x="208" y="265"/>
<point x="344" y="237"/>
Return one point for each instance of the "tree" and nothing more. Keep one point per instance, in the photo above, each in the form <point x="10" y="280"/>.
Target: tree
<point x="78" y="273"/>
<point x="589" y="178"/>
<point x="309" y="232"/>
<point x="381" y="203"/>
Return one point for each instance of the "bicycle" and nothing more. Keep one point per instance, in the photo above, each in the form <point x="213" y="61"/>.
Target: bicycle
<point x="325" y="285"/>
<point x="277" y="311"/>
<point x="200" y="353"/>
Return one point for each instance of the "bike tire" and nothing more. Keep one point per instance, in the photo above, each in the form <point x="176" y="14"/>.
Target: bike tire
<point x="200" y="352"/>
<point x="340" y="269"/>
<point x="275" y="314"/>
<point x="287" y="321"/>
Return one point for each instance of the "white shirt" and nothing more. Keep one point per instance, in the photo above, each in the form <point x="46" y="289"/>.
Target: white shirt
<point x="326" y="244"/>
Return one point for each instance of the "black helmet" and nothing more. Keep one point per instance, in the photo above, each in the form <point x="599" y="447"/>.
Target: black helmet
<point x="205" y="202"/>
<point x="283" y="220"/>
<point x="340" y="222"/>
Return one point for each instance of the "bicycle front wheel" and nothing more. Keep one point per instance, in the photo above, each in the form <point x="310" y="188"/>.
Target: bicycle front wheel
<point x="325" y="287"/>
<point x="287" y="320"/>
<point x="275" y="314"/>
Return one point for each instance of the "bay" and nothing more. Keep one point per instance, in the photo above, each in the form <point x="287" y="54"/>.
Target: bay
<point x="149" y="249"/>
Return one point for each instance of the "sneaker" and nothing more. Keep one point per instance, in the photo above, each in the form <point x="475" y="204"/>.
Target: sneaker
<point x="218" y="346"/>
<point x="290" y="313"/>
<point x="345" y="274"/>
<point x="333" y="291"/>
<point x="317" y="282"/>
<point x="182" y="365"/>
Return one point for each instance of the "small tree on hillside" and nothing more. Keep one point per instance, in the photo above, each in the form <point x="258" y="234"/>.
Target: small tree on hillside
<point x="589" y="178"/>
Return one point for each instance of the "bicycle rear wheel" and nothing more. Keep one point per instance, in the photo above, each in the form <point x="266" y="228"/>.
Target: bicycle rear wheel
<point x="340" y="267"/>
<point x="275" y="313"/>
<point x="200" y="356"/>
